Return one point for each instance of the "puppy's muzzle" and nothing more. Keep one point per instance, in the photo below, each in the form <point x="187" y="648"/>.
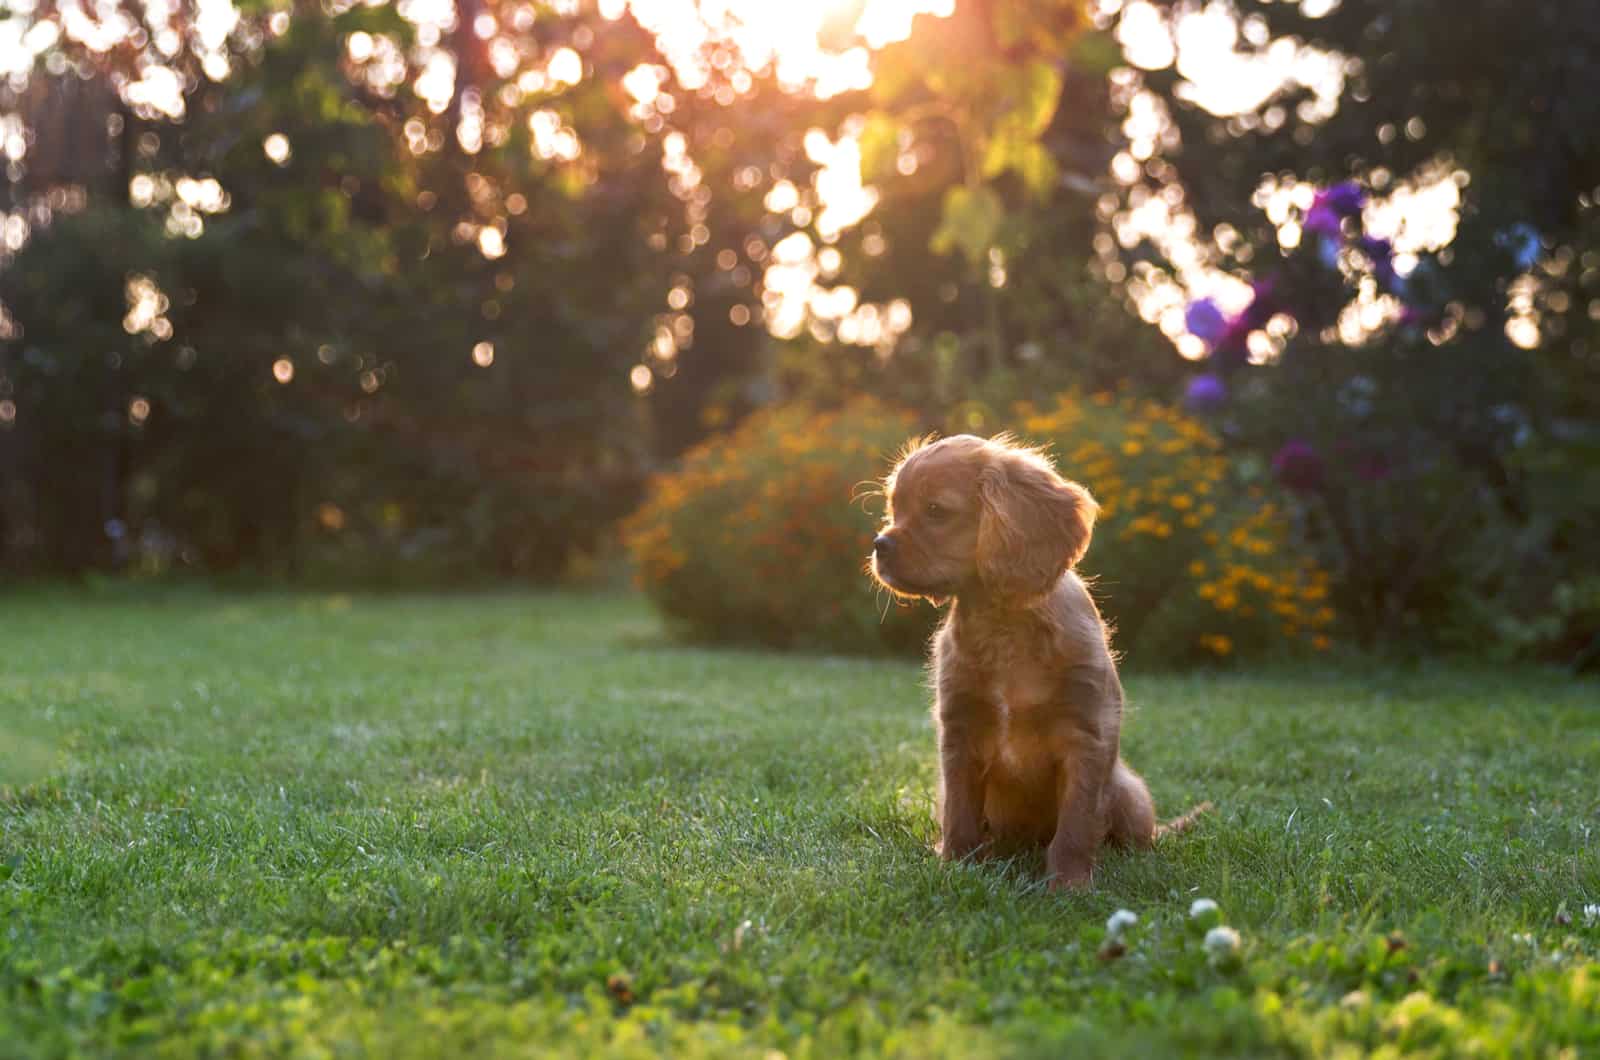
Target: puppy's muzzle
<point x="883" y="546"/>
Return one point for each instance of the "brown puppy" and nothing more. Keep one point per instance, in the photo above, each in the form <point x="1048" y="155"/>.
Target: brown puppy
<point x="1028" y="705"/>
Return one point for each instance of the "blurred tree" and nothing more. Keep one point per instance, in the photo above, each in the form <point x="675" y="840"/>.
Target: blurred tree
<point x="323" y="299"/>
<point x="984" y="140"/>
<point x="986" y="222"/>
<point x="372" y="282"/>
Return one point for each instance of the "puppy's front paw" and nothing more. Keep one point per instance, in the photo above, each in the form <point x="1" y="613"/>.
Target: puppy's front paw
<point x="957" y="845"/>
<point x="1071" y="874"/>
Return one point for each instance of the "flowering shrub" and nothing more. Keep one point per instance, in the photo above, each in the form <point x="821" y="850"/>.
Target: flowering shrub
<point x="755" y="536"/>
<point x="1417" y="407"/>
<point x="758" y="535"/>
<point x="1186" y="560"/>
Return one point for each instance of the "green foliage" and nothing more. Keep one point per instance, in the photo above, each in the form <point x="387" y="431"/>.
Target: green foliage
<point x="990" y="76"/>
<point x="1014" y="138"/>
<point x="474" y="825"/>
<point x="357" y="266"/>
<point x="978" y="92"/>
<point x="1432" y="427"/>
<point x="970" y="222"/>
<point x="762" y="533"/>
<point x="988" y="168"/>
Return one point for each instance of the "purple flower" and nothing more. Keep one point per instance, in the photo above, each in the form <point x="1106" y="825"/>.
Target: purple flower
<point x="1323" y="220"/>
<point x="1205" y="320"/>
<point x="1345" y="198"/>
<point x="1205" y="392"/>
<point x="1298" y="466"/>
<point x="1232" y="349"/>
<point x="1263" y="304"/>
<point x="1330" y="207"/>
<point x="1381" y="254"/>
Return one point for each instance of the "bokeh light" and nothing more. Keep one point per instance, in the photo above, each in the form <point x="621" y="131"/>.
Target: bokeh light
<point x="276" y="148"/>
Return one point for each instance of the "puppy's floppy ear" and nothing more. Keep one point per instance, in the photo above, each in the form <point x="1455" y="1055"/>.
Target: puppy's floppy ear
<point x="1034" y="524"/>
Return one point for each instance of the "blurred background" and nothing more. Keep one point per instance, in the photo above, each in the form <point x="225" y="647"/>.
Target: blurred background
<point x="460" y="292"/>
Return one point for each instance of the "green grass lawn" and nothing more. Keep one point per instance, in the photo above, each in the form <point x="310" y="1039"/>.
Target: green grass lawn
<point x="501" y="825"/>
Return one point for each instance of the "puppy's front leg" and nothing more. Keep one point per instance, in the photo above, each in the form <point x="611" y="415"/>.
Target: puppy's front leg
<point x="965" y="725"/>
<point x="1081" y="820"/>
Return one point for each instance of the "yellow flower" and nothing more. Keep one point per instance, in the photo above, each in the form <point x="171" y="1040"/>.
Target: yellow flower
<point x="1197" y="568"/>
<point x="1182" y="502"/>
<point x="1217" y="643"/>
<point x="1132" y="448"/>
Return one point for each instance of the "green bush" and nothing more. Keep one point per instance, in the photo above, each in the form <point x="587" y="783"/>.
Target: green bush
<point x="762" y="533"/>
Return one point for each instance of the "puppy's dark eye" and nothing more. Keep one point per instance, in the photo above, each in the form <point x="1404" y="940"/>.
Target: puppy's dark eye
<point x="937" y="511"/>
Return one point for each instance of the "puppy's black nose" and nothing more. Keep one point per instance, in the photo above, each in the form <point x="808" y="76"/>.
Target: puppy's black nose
<point x="883" y="544"/>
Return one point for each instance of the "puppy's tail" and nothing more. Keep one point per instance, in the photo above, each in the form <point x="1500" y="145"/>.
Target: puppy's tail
<point x="1183" y="822"/>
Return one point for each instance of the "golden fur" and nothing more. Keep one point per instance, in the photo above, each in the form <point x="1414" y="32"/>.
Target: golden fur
<point x="1028" y="706"/>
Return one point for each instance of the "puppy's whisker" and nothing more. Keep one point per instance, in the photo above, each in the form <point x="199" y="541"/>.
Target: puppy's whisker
<point x="862" y="492"/>
<point x="866" y="488"/>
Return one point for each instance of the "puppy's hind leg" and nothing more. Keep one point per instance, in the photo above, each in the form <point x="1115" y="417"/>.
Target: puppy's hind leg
<point x="1130" y="812"/>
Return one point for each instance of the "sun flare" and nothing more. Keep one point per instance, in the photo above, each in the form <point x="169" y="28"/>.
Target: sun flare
<point x="825" y="46"/>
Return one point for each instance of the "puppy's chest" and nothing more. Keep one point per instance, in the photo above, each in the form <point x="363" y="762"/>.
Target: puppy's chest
<point x="1029" y="716"/>
<point x="1020" y="683"/>
<point x="1026" y="690"/>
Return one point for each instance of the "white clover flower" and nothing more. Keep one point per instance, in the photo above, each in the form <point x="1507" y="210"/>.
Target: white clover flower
<point x="1591" y="915"/>
<point x="1355" y="999"/>
<point x="1201" y="907"/>
<point x="1120" y="921"/>
<point x="1222" y="943"/>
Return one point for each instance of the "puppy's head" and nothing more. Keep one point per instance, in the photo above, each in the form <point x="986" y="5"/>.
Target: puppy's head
<point x="973" y="515"/>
